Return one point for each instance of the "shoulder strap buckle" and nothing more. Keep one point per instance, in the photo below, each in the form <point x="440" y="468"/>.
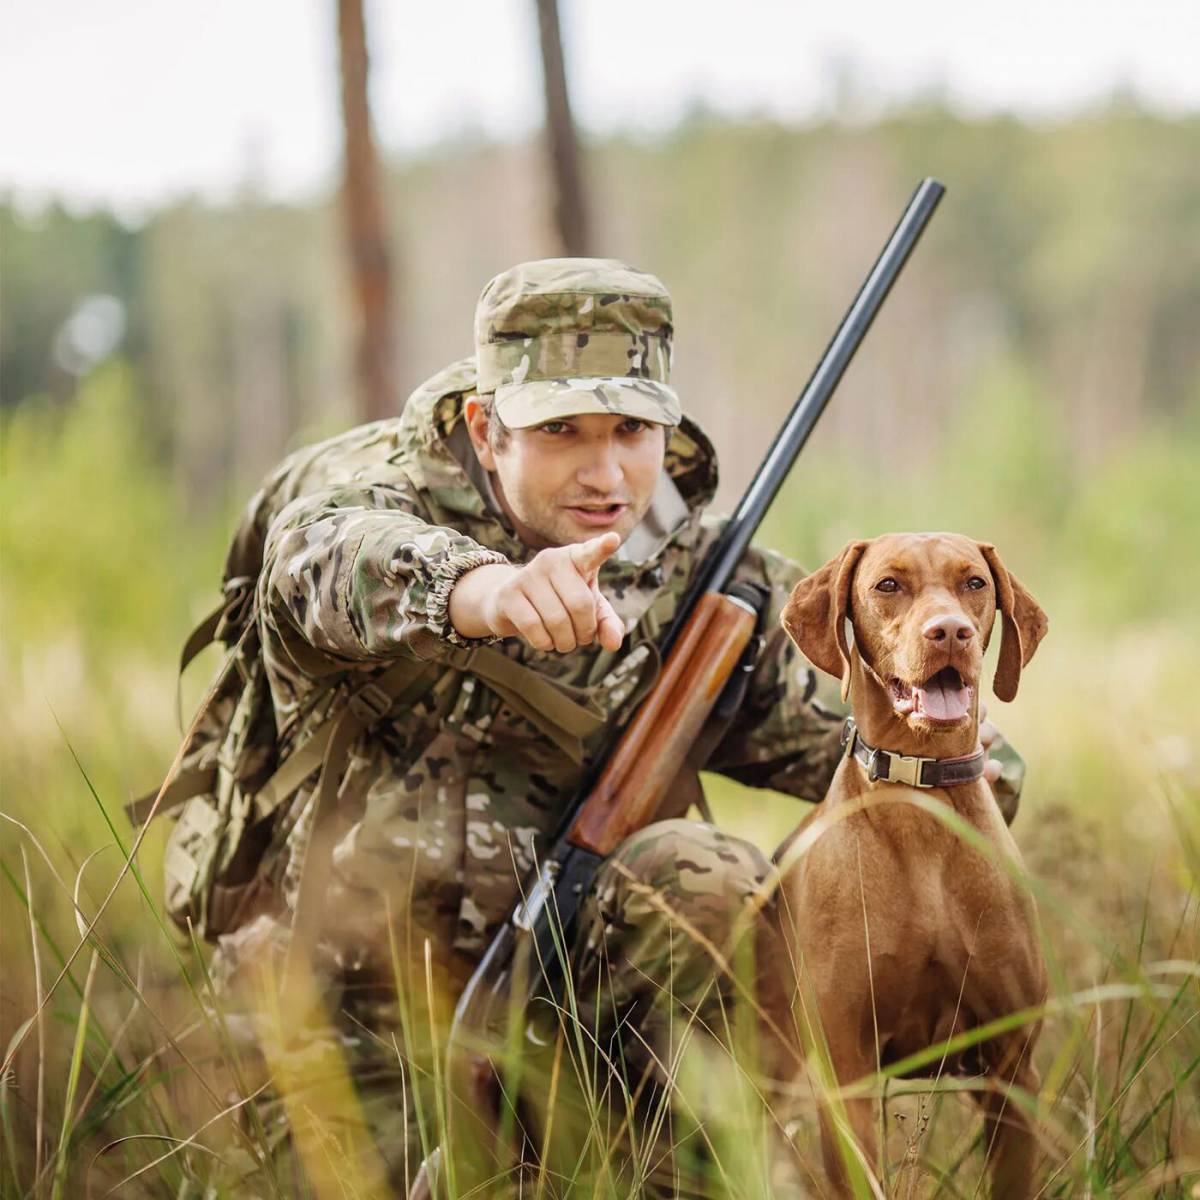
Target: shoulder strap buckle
<point x="370" y="703"/>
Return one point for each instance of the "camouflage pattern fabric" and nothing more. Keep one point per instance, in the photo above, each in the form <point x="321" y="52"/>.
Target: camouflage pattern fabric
<point x="447" y="804"/>
<point x="542" y="400"/>
<point x="444" y="807"/>
<point x="657" y="933"/>
<point x="566" y="336"/>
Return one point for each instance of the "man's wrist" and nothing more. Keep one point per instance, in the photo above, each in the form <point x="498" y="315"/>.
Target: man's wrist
<point x="469" y="606"/>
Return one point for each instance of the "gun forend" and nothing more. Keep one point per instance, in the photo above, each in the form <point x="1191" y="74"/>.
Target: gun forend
<point x="655" y="744"/>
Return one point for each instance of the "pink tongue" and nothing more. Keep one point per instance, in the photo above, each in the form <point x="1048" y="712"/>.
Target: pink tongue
<point x="943" y="703"/>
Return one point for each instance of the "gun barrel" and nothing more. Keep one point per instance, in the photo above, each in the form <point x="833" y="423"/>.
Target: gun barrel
<point x="728" y="551"/>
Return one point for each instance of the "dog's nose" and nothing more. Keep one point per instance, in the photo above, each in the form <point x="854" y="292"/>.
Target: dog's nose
<point x="938" y="629"/>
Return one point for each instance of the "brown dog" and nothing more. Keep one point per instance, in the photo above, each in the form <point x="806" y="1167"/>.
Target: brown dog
<point x="902" y="933"/>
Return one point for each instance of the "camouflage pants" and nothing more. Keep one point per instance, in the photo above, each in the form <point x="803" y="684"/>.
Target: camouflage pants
<point x="662" y="969"/>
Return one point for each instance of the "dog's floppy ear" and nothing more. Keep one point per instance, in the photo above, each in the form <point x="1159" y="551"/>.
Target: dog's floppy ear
<point x="1024" y="624"/>
<point x="815" y="614"/>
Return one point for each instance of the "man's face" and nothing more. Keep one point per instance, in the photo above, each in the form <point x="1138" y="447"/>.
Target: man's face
<point x="572" y="479"/>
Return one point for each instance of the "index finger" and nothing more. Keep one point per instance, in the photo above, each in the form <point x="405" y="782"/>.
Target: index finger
<point x="589" y="556"/>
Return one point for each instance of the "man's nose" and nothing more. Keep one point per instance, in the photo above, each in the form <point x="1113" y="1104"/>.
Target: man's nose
<point x="602" y="471"/>
<point x="946" y="626"/>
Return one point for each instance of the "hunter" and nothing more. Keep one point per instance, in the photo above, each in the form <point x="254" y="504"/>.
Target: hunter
<point x="543" y="500"/>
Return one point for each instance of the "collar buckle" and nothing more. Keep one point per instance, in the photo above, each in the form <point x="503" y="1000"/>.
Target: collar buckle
<point x="898" y="768"/>
<point x="884" y="765"/>
<point x="906" y="768"/>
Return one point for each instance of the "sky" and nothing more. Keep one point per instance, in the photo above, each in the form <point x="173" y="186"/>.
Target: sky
<point x="131" y="103"/>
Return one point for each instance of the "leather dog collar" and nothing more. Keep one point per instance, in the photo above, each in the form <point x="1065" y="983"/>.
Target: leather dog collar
<point x="889" y="767"/>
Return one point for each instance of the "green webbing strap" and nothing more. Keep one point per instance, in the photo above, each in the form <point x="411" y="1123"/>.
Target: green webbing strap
<point x="546" y="705"/>
<point x="201" y="636"/>
<point x="543" y="703"/>
<point x="366" y="706"/>
<point x="239" y="596"/>
<point x="316" y="867"/>
<point x="238" y="593"/>
<point x="540" y="701"/>
<point x="329" y="748"/>
<point x="181" y="789"/>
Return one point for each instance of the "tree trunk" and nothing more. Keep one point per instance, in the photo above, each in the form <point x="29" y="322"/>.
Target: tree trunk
<point x="570" y="209"/>
<point x="362" y="200"/>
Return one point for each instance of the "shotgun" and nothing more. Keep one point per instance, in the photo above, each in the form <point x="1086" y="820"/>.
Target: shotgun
<point x="701" y="653"/>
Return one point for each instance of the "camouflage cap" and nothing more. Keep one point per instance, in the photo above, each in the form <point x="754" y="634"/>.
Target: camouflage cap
<point x="565" y="336"/>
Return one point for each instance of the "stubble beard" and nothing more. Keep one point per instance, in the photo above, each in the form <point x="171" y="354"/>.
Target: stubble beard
<point x="543" y="524"/>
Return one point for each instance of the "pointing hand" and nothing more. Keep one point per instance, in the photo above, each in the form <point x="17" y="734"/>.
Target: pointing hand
<point x="554" y="602"/>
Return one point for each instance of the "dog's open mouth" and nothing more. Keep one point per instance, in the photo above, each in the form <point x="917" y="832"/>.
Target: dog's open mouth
<point x="942" y="697"/>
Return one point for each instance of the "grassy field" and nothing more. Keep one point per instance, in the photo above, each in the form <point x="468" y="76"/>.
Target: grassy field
<point x="116" y="1082"/>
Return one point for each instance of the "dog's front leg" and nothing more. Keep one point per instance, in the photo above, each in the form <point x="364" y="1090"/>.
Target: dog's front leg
<point x="1011" y="1146"/>
<point x="848" y="1135"/>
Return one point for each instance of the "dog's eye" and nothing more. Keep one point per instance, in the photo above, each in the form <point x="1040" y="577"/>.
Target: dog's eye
<point x="887" y="585"/>
<point x="975" y="583"/>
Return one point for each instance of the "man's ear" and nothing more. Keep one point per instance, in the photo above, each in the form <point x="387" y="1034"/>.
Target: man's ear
<point x="477" y="420"/>
<point x="815" y="614"/>
<point x="1023" y="624"/>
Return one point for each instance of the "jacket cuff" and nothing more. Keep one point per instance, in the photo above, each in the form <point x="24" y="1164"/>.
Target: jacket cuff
<point x="437" y="601"/>
<point x="1007" y="789"/>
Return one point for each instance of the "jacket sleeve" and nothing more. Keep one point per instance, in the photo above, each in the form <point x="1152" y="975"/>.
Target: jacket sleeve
<point x="359" y="573"/>
<point x="787" y="733"/>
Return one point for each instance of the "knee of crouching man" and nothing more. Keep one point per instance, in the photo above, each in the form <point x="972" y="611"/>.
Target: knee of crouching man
<point x="689" y="873"/>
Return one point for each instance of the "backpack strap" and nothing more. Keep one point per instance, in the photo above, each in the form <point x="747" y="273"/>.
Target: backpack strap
<point x="364" y="708"/>
<point x="367" y="705"/>
<point x="543" y="703"/>
<point x="234" y="611"/>
<point x="228" y="620"/>
<point x="179" y="791"/>
<point x="203" y="635"/>
<point x="329" y="749"/>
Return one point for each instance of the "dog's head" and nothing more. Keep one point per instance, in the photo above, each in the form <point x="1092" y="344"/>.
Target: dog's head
<point x="922" y="608"/>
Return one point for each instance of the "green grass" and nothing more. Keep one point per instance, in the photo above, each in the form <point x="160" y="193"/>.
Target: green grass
<point x="123" y="1071"/>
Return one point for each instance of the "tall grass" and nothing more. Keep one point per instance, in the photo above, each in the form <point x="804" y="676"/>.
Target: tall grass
<point x="122" y="1069"/>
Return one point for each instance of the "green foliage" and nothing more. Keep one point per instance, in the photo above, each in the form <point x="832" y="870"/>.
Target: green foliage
<point x="90" y="523"/>
<point x="52" y="259"/>
<point x="1132" y="522"/>
<point x="1104" y="541"/>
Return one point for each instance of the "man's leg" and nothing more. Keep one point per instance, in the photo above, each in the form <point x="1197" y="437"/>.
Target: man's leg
<point x="665" y="994"/>
<point x="358" y="1073"/>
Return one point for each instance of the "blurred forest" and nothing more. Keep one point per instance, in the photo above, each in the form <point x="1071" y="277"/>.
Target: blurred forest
<point x="1069" y="253"/>
<point x="1033" y="381"/>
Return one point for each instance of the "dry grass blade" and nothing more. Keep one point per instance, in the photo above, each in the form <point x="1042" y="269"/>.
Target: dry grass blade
<point x="81" y="923"/>
<point x="172" y="772"/>
<point x="177" y="1144"/>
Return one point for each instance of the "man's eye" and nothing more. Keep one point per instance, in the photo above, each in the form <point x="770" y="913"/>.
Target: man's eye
<point x="633" y="425"/>
<point x="976" y="582"/>
<point x="553" y="426"/>
<point x="888" y="584"/>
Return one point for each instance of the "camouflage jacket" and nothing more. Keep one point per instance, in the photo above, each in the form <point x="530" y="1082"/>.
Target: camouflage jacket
<point x="446" y="804"/>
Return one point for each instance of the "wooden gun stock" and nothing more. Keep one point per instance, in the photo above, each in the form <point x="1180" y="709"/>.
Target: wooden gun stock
<point x="656" y="743"/>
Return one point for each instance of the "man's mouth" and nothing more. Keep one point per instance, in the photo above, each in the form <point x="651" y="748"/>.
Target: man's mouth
<point x="943" y="698"/>
<point x="598" y="514"/>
